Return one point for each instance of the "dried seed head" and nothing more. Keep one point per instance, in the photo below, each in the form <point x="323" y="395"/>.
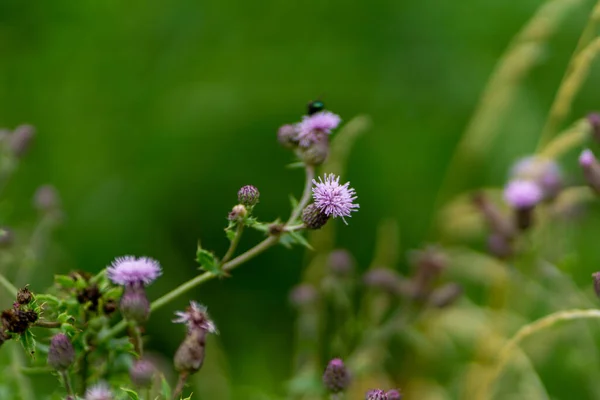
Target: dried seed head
<point x="336" y="377"/>
<point x="24" y="296"/>
<point x="190" y="354"/>
<point x="16" y="320"/>
<point x="61" y="353"/>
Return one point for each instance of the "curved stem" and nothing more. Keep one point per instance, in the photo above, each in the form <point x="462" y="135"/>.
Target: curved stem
<point x="227" y="266"/>
<point x="234" y="243"/>
<point x="574" y="136"/>
<point x="310" y="175"/>
<point x="528" y="330"/>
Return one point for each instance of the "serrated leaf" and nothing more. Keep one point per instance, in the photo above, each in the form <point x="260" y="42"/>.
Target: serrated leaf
<point x="46" y="298"/>
<point x="165" y="388"/>
<point x="293" y="202"/>
<point x="113" y="293"/>
<point x="208" y="261"/>
<point x="65" y="281"/>
<point x="132" y="393"/>
<point x="230" y="234"/>
<point x="299" y="239"/>
<point x="28" y="342"/>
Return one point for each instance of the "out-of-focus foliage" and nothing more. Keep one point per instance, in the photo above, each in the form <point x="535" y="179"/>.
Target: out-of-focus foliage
<point x="150" y="116"/>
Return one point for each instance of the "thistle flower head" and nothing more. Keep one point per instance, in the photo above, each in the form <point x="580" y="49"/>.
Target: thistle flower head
<point x="142" y="372"/>
<point x="61" y="353"/>
<point x="336" y="377"/>
<point x="587" y="158"/>
<point x="134" y="304"/>
<point x="312" y="125"/>
<point x="376" y="394"/>
<point x="196" y="318"/>
<point x="333" y="199"/>
<point x="543" y="171"/>
<point x="522" y="194"/>
<point x="100" y="391"/>
<point x="248" y="195"/>
<point x="394" y="395"/>
<point x="129" y="270"/>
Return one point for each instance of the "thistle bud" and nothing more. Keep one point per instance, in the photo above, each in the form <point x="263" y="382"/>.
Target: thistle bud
<point x="287" y="136"/>
<point x="394" y="395"/>
<point x="596" y="276"/>
<point x="313" y="217"/>
<point x="340" y="262"/>
<point x="594" y="121"/>
<point x="24" y="296"/>
<point x="248" y="195"/>
<point x="61" y="353"/>
<point x="20" y="139"/>
<point x="46" y="198"/>
<point x="383" y="279"/>
<point x="134" y="304"/>
<point x="237" y="213"/>
<point x="542" y="171"/>
<point x="445" y="295"/>
<point x="190" y="354"/>
<point x="336" y="377"/>
<point x="6" y="237"/>
<point x="303" y="295"/>
<point x="316" y="153"/>
<point x="376" y="394"/>
<point x="142" y="372"/>
<point x="591" y="169"/>
<point x="499" y="246"/>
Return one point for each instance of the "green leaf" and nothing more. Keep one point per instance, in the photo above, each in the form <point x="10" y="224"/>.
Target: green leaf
<point x="294" y="165"/>
<point x="113" y="293"/>
<point x="28" y="342"/>
<point x="46" y="298"/>
<point x="132" y="393"/>
<point x="230" y="234"/>
<point x="165" y="388"/>
<point x="65" y="281"/>
<point x="208" y="261"/>
<point x="299" y="239"/>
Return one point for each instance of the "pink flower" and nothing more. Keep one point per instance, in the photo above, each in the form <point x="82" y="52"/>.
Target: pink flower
<point x="521" y="194"/>
<point x="129" y="270"/>
<point x="196" y="317"/>
<point x="334" y="199"/>
<point x="313" y="125"/>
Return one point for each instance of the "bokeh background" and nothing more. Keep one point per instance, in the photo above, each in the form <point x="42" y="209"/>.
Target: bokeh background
<point x="151" y="114"/>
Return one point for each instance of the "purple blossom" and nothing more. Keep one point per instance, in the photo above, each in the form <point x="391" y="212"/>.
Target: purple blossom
<point x="129" y="270"/>
<point x="587" y="158"/>
<point x="100" y="391"/>
<point x="522" y="194"/>
<point x="334" y="199"/>
<point x="543" y="171"/>
<point x="195" y="317"/>
<point x="312" y="125"/>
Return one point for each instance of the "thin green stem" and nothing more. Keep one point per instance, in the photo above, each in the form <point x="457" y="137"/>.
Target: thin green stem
<point x="67" y="382"/>
<point x="234" y="243"/>
<point x="180" y="384"/>
<point x="294" y="228"/>
<point x="310" y="175"/>
<point x="227" y="266"/>
<point x="7" y="285"/>
<point x="136" y="335"/>
<point x="528" y="330"/>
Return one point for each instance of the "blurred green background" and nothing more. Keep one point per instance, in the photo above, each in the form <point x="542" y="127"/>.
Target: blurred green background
<point x="151" y="114"/>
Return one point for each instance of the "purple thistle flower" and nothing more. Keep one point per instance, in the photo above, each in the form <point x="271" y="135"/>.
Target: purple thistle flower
<point x="196" y="317"/>
<point x="587" y="158"/>
<point x="334" y="199"/>
<point x="129" y="270"/>
<point x="312" y="125"/>
<point x="376" y="394"/>
<point x="100" y="391"/>
<point x="336" y="377"/>
<point x="394" y="395"/>
<point x="522" y="194"/>
<point x="543" y="171"/>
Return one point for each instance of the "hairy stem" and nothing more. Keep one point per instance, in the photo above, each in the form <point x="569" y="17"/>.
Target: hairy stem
<point x="180" y="384"/>
<point x="234" y="243"/>
<point x="47" y="324"/>
<point x="528" y="330"/>
<point x="227" y="266"/>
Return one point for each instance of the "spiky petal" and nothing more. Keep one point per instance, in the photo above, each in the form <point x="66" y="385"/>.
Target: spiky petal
<point x="333" y="199"/>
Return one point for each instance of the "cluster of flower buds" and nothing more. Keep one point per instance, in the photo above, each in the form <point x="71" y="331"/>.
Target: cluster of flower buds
<point x="190" y="354"/>
<point x="330" y="200"/>
<point x="378" y="394"/>
<point x="19" y="317"/>
<point x="310" y="137"/>
<point x="336" y="377"/>
<point x="248" y="197"/>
